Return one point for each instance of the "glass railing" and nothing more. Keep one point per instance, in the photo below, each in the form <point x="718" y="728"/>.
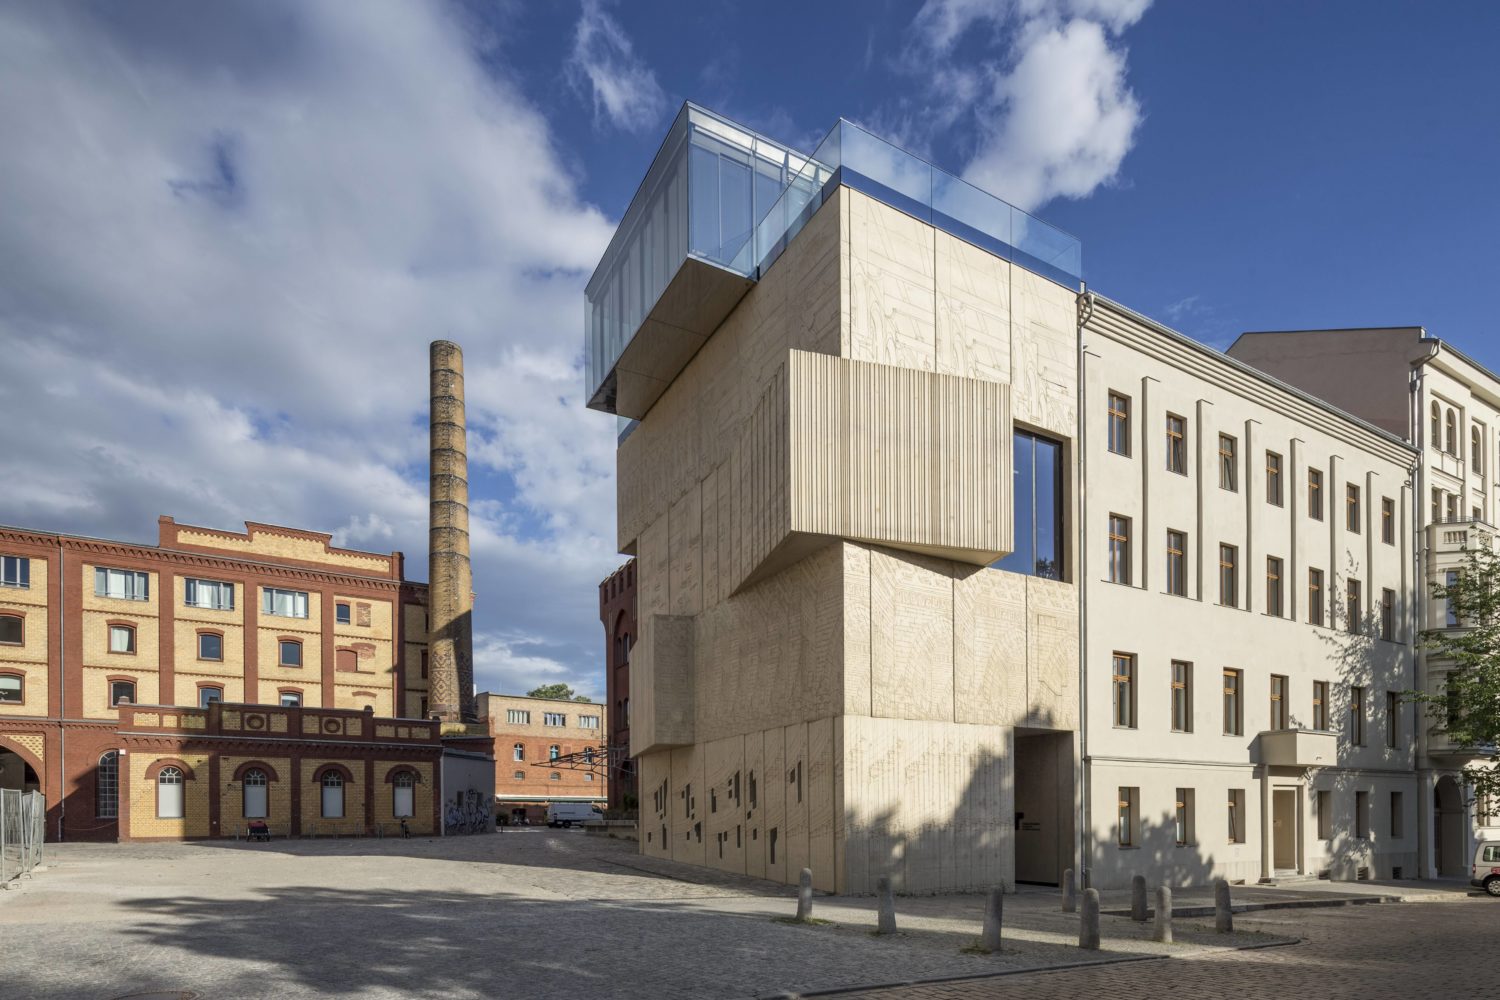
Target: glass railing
<point x="719" y="193"/>
<point x="851" y="156"/>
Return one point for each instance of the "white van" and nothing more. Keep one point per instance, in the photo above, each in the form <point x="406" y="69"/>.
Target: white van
<point x="568" y="813"/>
<point x="1486" y="871"/>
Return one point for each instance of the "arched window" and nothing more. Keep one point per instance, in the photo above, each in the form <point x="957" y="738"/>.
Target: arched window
<point x="169" y="793"/>
<point x="518" y="752"/>
<point x="554" y="752"/>
<point x="402" y="800"/>
<point x="1450" y="433"/>
<point x="254" y="794"/>
<point x="1476" y="454"/>
<point x="107" y="786"/>
<point x="1437" y="425"/>
<point x="333" y="795"/>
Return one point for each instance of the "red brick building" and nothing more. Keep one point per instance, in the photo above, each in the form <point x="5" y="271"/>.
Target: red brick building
<point x="617" y="613"/>
<point x="530" y="736"/>
<point x="123" y="664"/>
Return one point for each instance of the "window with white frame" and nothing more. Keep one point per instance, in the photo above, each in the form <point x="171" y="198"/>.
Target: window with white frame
<point x="554" y="752"/>
<point x="333" y="795"/>
<point x="518" y="752"/>
<point x="518" y="716"/>
<point x="214" y="595"/>
<point x="15" y="571"/>
<point x="291" y="699"/>
<point x="283" y="603"/>
<point x="107" y="786"/>
<point x="402" y="805"/>
<point x="588" y="721"/>
<point x="554" y="719"/>
<point x="122" y="584"/>
<point x="169" y="793"/>
<point x="253" y="797"/>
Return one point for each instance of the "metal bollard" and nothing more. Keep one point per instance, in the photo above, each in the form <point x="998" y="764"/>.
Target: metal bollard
<point x="994" y="916"/>
<point x="1069" y="892"/>
<point x="1163" y="929"/>
<point x="1223" y="914"/>
<point x="804" y="895"/>
<point x="1088" y="921"/>
<point x="887" y="919"/>
<point x="1138" y="899"/>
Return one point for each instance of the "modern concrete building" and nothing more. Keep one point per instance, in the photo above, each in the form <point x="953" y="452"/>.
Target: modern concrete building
<point x="817" y="474"/>
<point x="546" y="750"/>
<point x="1249" y="622"/>
<point x="1448" y="407"/>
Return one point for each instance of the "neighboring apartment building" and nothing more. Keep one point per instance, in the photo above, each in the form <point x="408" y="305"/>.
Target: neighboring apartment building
<point x="204" y="668"/>
<point x="1249" y="622"/>
<point x="826" y="407"/>
<point x="617" y="613"/>
<point x="546" y="751"/>
<point x="1447" y="406"/>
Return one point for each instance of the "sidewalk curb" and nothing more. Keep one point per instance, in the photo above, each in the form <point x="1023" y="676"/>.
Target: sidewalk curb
<point x="1280" y="904"/>
<point x="1036" y="970"/>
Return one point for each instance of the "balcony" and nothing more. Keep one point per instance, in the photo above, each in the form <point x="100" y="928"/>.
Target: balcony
<point x="717" y="208"/>
<point x="1296" y="748"/>
<point x="1453" y="536"/>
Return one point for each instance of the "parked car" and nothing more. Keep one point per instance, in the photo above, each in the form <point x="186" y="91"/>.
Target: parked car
<point x="565" y="814"/>
<point x="1486" y="871"/>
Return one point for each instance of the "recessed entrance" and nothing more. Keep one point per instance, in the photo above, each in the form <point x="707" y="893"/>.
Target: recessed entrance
<point x="1284" y="829"/>
<point x="1044" y="805"/>
<point x="1448" y="827"/>
<point x="16" y="773"/>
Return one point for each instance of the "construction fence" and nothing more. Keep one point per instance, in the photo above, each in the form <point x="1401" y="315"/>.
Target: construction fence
<point x="22" y="821"/>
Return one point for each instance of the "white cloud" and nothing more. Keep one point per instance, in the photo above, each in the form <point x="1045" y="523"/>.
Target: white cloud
<point x="604" y="62"/>
<point x="229" y="236"/>
<point x="1048" y="97"/>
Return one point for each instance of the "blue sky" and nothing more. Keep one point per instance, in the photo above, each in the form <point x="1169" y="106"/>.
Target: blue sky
<point x="230" y="231"/>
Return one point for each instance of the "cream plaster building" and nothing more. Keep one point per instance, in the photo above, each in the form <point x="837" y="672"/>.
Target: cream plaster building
<point x="1248" y="620"/>
<point x="1448" y="406"/>
<point x="871" y="503"/>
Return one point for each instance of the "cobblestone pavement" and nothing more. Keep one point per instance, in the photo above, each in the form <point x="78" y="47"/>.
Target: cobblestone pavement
<point x="532" y="913"/>
<point x="1413" y="951"/>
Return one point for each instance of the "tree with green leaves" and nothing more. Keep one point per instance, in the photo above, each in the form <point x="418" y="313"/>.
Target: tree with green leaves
<point x="1467" y="708"/>
<point x="557" y="692"/>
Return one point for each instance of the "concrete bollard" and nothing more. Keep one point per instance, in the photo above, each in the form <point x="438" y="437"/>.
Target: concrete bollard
<point x="804" y="895"/>
<point x="1223" y="915"/>
<point x="887" y="919"/>
<point x="1163" y="929"/>
<point x="1138" y="899"/>
<point x="1070" y="892"/>
<point x="1088" y="921"/>
<point x="994" y="915"/>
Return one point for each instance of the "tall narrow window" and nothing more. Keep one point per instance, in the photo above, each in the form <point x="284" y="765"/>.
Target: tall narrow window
<point x="1037" y="509"/>
<point x="1176" y="444"/>
<point x="1450" y="607"/>
<point x="1357" y="715"/>
<point x="1450" y="511"/>
<point x="169" y="793"/>
<point x="1450" y="433"/>
<point x="1229" y="591"/>
<point x="1397" y="811"/>
<point x="1392" y="719"/>
<point x="1124" y="678"/>
<point x="1278" y="702"/>
<point x="1233" y="717"/>
<point x="1176" y="563"/>
<point x="1273" y="586"/>
<point x="1437" y="505"/>
<point x="333" y="795"/>
<point x="1362" y="815"/>
<point x="1229" y="476"/>
<point x="1352" y="518"/>
<point x="1320" y="706"/>
<point x="1476" y="452"/>
<point x="1182" y="697"/>
<point x="1323" y="802"/>
<point x="107" y="786"/>
<point x="1353" y="611"/>
<point x="1273" y="478"/>
<point x="1315" y="494"/>
<point x="1129" y="803"/>
<point x="1387" y="614"/>
<point x="1119" y="423"/>
<point x="1183" y="817"/>
<point x="1119" y="549"/>
<point x="403" y="787"/>
<point x="1437" y="425"/>
<point x="1388" y="520"/>
<point x="1236" y="815"/>
<point x="518" y="752"/>
<point x="1315" y="597"/>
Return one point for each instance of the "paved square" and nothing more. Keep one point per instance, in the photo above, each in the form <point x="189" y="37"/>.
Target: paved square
<point x="538" y="913"/>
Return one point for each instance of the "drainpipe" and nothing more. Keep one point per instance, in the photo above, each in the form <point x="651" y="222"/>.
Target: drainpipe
<point x="1085" y="832"/>
<point x="1426" y="850"/>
